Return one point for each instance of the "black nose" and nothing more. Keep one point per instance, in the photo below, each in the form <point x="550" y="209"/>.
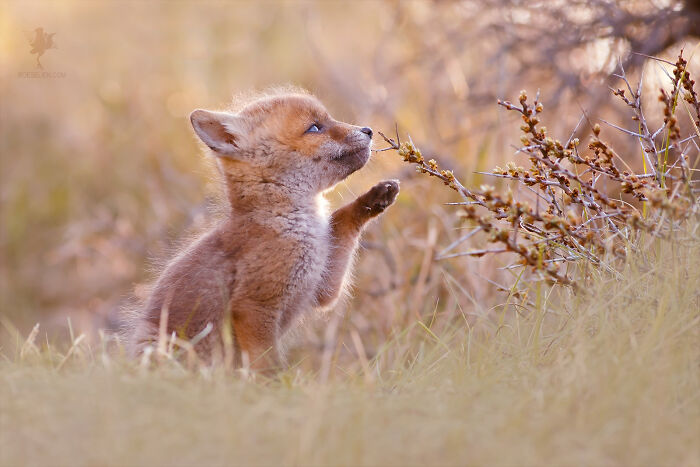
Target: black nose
<point x="368" y="131"/>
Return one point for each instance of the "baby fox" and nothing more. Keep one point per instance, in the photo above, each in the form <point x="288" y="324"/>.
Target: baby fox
<point x="277" y="255"/>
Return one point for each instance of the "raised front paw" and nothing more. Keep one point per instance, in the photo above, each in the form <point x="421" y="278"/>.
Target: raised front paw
<point x="381" y="196"/>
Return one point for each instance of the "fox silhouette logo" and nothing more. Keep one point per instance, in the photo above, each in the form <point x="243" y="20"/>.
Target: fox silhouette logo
<point x="40" y="43"/>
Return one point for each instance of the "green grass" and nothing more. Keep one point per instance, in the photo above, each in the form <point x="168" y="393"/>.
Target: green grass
<point x="612" y="379"/>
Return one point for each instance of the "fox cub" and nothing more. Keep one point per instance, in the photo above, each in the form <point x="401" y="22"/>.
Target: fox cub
<point x="277" y="255"/>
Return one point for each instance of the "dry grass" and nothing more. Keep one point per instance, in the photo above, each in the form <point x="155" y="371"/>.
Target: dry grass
<point x="610" y="379"/>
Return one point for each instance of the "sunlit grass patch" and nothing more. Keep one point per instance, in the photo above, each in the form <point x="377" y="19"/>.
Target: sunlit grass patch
<point x="610" y="378"/>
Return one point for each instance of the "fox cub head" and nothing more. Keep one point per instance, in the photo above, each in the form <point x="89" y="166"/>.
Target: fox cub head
<point x="289" y="140"/>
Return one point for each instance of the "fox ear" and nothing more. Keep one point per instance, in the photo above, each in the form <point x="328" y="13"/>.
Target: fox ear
<point x="221" y="131"/>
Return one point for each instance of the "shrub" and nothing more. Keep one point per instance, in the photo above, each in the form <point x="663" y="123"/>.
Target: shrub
<point x="590" y="206"/>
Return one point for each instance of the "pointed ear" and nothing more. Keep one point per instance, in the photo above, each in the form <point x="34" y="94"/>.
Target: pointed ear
<point x="221" y="131"/>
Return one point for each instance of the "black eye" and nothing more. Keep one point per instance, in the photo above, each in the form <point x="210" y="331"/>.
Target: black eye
<point x="315" y="128"/>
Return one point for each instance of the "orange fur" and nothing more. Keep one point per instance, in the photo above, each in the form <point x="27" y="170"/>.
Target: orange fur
<point x="276" y="255"/>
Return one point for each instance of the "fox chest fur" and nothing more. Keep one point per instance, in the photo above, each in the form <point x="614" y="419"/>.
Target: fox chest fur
<point x="290" y="252"/>
<point x="272" y="265"/>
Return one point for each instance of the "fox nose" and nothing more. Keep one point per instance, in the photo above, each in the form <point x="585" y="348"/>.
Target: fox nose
<point x="368" y="131"/>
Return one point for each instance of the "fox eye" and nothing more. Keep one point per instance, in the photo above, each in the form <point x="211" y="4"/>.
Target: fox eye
<point x="315" y="128"/>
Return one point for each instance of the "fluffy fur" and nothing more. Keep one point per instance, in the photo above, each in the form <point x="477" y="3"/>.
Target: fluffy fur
<point x="277" y="254"/>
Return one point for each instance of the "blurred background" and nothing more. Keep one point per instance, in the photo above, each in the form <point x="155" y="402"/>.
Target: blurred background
<point x="100" y="173"/>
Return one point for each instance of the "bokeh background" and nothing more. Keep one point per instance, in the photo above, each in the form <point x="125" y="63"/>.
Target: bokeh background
<point x="100" y="173"/>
